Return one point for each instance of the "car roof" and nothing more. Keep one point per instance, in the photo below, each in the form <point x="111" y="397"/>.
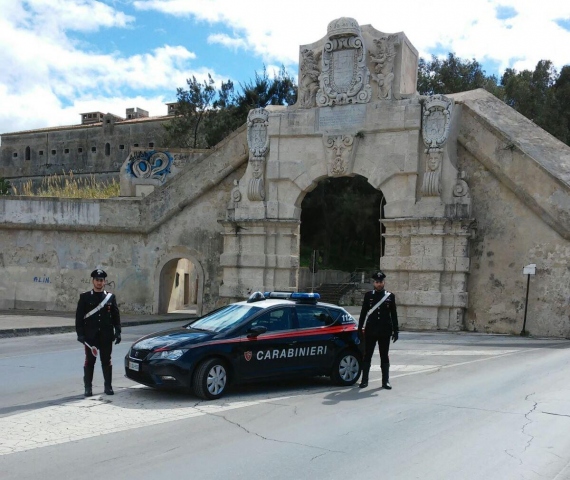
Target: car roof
<point x="272" y="302"/>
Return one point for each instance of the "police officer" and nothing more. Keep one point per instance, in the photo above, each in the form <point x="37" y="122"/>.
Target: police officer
<point x="379" y="320"/>
<point x="98" y="323"/>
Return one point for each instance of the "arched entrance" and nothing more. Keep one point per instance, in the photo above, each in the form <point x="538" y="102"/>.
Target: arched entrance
<point x="179" y="284"/>
<point x="341" y="219"/>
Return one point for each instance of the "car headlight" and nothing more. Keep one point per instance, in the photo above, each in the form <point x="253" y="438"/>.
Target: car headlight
<point x="167" y="355"/>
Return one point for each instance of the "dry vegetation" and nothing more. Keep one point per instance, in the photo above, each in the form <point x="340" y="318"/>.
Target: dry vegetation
<point x="68" y="186"/>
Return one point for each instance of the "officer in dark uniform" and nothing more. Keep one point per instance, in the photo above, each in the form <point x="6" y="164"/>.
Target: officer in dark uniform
<point x="380" y="324"/>
<point x="98" y="323"/>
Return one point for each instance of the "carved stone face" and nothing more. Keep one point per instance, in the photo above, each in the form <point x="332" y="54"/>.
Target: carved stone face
<point x="433" y="161"/>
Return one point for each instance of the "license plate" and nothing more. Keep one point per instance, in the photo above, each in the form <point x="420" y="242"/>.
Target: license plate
<point x="134" y="366"/>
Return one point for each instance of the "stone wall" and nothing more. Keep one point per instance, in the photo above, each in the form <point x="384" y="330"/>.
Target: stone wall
<point x="49" y="245"/>
<point x="100" y="148"/>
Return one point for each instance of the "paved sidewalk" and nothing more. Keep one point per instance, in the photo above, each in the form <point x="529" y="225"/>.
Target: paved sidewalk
<point x="15" y="323"/>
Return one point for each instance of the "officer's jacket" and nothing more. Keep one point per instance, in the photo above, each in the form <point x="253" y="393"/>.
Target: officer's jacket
<point x="385" y="318"/>
<point x="105" y="322"/>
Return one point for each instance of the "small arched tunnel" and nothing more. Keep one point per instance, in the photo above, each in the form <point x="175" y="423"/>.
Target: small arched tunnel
<point x="179" y="287"/>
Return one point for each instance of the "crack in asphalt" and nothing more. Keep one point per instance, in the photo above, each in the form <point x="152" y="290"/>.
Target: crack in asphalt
<point x="557" y="414"/>
<point x="529" y="422"/>
<point x="326" y="450"/>
<point x="516" y="458"/>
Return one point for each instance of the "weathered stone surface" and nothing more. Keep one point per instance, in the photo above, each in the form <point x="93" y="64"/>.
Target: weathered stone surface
<point x="458" y="230"/>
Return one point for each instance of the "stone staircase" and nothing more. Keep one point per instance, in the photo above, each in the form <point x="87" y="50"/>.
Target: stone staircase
<point x="332" y="292"/>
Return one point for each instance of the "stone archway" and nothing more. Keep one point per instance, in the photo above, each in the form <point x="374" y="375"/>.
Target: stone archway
<point x="179" y="282"/>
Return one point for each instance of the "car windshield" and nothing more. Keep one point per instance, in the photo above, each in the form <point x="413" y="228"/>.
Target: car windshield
<point x="224" y="318"/>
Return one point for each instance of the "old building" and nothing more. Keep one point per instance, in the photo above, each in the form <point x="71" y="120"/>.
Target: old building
<point x="98" y="145"/>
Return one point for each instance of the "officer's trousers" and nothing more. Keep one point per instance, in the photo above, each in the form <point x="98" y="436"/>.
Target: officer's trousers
<point x="371" y="338"/>
<point x="105" y="348"/>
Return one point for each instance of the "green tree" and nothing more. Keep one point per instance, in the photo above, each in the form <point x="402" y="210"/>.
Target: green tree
<point x="205" y="116"/>
<point x="541" y="96"/>
<point x="453" y="75"/>
<point x="191" y="107"/>
<point x="5" y="187"/>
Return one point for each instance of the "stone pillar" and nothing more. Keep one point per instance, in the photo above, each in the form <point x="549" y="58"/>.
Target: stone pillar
<point x="426" y="262"/>
<point x="259" y="255"/>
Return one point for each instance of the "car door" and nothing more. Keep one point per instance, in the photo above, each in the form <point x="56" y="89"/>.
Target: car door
<point x="270" y="353"/>
<point x="315" y="339"/>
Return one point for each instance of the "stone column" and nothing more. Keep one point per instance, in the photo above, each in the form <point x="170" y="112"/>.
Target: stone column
<point x="259" y="255"/>
<point x="426" y="262"/>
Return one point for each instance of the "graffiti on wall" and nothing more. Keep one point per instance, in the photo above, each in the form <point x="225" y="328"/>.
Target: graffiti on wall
<point x="42" y="279"/>
<point x="150" y="164"/>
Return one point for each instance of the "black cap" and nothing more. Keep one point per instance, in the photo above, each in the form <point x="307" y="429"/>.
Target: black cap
<point x="98" y="273"/>
<point x="378" y="276"/>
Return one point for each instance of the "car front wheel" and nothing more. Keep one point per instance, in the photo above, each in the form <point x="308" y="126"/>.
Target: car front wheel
<point x="210" y="379"/>
<point x="346" y="369"/>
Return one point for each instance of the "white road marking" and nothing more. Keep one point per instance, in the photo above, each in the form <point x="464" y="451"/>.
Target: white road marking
<point x="405" y="368"/>
<point x="462" y="353"/>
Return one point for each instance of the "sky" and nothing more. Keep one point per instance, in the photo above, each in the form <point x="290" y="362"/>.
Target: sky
<point x="60" y="58"/>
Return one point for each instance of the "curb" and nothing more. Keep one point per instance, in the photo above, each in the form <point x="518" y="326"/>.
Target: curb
<point x="31" y="331"/>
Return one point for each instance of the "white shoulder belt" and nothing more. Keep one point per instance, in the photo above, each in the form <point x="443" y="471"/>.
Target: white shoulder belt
<point x="101" y="305"/>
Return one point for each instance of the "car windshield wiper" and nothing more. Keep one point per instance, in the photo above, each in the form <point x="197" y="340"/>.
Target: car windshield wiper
<point x="195" y="328"/>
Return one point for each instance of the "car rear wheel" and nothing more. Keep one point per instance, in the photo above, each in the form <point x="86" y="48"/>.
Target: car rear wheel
<point x="210" y="379"/>
<point x="346" y="369"/>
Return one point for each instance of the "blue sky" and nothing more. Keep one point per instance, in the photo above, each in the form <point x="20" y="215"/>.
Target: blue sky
<point x="60" y="58"/>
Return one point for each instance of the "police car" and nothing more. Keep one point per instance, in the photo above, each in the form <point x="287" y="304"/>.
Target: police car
<point x="271" y="335"/>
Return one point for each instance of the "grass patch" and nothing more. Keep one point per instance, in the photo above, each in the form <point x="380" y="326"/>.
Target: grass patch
<point x="68" y="186"/>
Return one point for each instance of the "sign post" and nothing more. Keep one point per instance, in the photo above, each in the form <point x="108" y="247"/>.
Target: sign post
<point x="528" y="271"/>
<point x="314" y="267"/>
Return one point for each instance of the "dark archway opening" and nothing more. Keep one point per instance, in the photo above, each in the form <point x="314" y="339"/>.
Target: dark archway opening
<point x="341" y="219"/>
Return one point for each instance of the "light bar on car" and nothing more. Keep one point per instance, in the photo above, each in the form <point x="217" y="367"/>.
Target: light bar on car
<point x="305" y="296"/>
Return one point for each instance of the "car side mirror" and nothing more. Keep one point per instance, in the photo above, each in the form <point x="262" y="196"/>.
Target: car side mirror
<point x="255" y="331"/>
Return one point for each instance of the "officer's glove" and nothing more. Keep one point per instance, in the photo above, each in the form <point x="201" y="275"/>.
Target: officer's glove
<point x="81" y="338"/>
<point x="117" y="337"/>
<point x="395" y="337"/>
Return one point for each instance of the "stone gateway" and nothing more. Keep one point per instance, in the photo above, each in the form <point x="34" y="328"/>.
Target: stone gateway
<point x="473" y="190"/>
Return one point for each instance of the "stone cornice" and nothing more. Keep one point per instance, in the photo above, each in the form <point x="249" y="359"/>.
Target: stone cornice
<point x="533" y="164"/>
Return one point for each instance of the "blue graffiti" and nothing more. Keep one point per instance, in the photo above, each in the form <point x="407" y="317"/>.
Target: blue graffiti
<point x="43" y="279"/>
<point x="150" y="164"/>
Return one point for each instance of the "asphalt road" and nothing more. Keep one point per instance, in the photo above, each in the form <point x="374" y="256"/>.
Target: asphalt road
<point x="464" y="406"/>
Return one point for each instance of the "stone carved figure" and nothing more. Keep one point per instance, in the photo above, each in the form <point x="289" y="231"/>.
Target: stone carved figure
<point x="436" y="120"/>
<point x="339" y="151"/>
<point x="258" y="143"/>
<point x="383" y="61"/>
<point x="431" y="186"/>
<point x="150" y="164"/>
<point x="345" y="77"/>
<point x="309" y="77"/>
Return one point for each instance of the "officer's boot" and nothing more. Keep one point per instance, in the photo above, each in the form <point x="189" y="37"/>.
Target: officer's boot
<point x="365" y="372"/>
<point x="385" y="367"/>
<point x="88" y="380"/>
<point x="108" y="377"/>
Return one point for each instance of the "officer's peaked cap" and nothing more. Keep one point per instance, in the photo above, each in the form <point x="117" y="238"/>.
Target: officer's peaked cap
<point x="98" y="273"/>
<point x="378" y="276"/>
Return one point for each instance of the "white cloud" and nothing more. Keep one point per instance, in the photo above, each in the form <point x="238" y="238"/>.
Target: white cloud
<point x="469" y="29"/>
<point x="49" y="75"/>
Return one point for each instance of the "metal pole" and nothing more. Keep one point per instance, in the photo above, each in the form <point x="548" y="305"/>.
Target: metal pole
<point x="313" y="270"/>
<point x="523" y="332"/>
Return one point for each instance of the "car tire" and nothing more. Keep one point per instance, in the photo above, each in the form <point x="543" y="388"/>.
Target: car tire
<point x="346" y="368"/>
<point x="210" y="379"/>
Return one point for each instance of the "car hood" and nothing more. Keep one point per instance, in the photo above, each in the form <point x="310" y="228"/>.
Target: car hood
<point x="174" y="338"/>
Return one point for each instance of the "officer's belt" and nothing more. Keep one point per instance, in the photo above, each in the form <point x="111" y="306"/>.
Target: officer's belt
<point x="375" y="307"/>
<point x="100" y="306"/>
